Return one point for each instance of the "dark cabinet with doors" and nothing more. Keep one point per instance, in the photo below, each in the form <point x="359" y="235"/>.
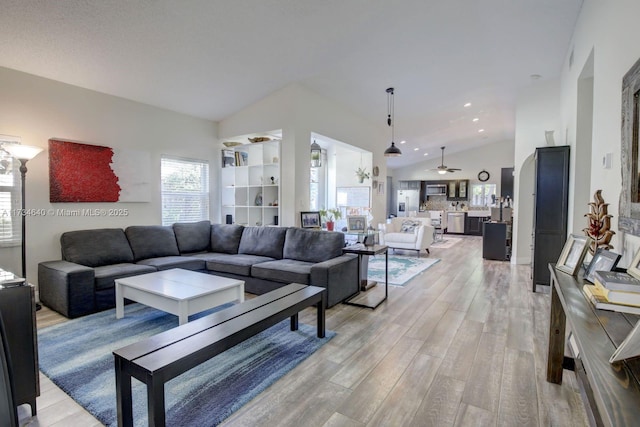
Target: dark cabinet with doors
<point x="474" y="225"/>
<point x="551" y="200"/>
<point x="506" y="183"/>
<point x="496" y="241"/>
<point x="17" y="307"/>
<point x="458" y="189"/>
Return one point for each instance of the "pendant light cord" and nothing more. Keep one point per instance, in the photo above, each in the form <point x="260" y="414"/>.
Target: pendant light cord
<point x="390" y="111"/>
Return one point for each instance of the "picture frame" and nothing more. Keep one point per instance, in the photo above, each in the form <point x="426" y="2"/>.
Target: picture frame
<point x="634" y="267"/>
<point x="603" y="260"/>
<point x="356" y="223"/>
<point x="573" y="253"/>
<point x="310" y="219"/>
<point x="629" y="348"/>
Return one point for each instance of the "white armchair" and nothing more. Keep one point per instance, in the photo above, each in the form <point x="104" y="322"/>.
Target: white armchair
<point x="412" y="233"/>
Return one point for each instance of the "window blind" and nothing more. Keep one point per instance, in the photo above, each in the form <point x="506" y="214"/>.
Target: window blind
<point x="185" y="190"/>
<point x="10" y="224"/>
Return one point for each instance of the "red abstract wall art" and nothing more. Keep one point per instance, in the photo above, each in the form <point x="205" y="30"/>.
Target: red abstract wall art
<point x="92" y="173"/>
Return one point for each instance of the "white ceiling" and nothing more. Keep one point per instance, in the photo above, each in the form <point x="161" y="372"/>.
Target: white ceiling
<point x="212" y="58"/>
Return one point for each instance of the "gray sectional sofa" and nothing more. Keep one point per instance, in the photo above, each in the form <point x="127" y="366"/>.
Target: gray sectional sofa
<point x="266" y="258"/>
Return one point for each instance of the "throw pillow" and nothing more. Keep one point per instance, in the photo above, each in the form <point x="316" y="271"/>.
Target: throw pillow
<point x="409" y="226"/>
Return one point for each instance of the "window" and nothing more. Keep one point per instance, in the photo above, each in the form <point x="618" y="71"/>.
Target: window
<point x="185" y="190"/>
<point x="483" y="194"/>
<point x="318" y="184"/>
<point x="10" y="225"/>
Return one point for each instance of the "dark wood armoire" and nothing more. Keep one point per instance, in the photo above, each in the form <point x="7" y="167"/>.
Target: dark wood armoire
<point x="551" y="200"/>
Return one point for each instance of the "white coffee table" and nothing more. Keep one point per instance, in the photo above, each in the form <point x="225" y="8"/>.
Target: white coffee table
<point x="177" y="291"/>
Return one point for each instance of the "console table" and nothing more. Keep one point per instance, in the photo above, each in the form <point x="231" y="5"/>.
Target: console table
<point x="612" y="391"/>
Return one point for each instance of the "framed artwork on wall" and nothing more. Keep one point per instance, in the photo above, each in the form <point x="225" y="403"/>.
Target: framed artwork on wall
<point x="81" y="172"/>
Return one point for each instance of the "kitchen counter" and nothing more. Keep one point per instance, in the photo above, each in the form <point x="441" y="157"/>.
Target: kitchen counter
<point x="474" y="212"/>
<point x="479" y="213"/>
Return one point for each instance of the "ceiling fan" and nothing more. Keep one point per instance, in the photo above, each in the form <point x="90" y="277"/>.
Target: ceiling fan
<point x="442" y="169"/>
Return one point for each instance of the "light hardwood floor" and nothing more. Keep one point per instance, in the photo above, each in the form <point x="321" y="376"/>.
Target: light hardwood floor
<point x="462" y="345"/>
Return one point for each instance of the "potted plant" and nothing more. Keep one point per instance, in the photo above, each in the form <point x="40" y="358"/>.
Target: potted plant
<point x="362" y="174"/>
<point x="329" y="215"/>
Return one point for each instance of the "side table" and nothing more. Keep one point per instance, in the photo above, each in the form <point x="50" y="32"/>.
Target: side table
<point x="365" y="251"/>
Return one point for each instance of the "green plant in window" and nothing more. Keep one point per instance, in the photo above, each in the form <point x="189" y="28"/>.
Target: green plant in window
<point x="329" y="215"/>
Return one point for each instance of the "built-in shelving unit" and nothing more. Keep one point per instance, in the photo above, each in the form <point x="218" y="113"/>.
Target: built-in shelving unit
<point x="251" y="183"/>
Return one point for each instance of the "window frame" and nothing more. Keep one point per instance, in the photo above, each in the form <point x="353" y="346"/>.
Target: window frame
<point x="486" y="193"/>
<point x="171" y="195"/>
<point x="12" y="209"/>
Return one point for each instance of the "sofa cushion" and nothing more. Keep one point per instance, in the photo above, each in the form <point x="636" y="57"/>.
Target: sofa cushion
<point x="192" y="236"/>
<point x="97" y="247"/>
<point x="152" y="241"/>
<point x="168" y="262"/>
<point x="409" y="225"/>
<point x="225" y="238"/>
<point x="105" y="275"/>
<point x="312" y="246"/>
<point x="399" y="238"/>
<point x="284" y="271"/>
<point x="263" y="241"/>
<point x="228" y="263"/>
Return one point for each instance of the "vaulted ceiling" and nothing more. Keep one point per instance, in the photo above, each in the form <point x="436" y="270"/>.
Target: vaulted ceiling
<point x="212" y="58"/>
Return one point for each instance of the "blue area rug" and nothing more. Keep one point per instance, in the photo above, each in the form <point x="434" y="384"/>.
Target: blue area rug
<point x="77" y="356"/>
<point x="401" y="268"/>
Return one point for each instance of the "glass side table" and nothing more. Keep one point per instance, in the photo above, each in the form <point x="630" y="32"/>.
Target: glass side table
<point x="363" y="253"/>
<point x="359" y="236"/>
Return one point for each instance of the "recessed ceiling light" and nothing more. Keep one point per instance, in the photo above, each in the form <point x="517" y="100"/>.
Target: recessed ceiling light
<point x="475" y="119"/>
<point x="480" y="130"/>
<point x="403" y="142"/>
<point x="425" y="154"/>
<point x="467" y="105"/>
<point x="415" y="149"/>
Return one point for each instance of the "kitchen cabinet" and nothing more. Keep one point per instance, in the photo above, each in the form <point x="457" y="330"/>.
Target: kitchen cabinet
<point x="474" y="225"/>
<point x="458" y="190"/>
<point x="496" y="240"/>
<point x="506" y="183"/>
<point x="551" y="207"/>
<point x="409" y="185"/>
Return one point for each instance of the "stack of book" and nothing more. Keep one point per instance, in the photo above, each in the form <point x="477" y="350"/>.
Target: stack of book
<point x="614" y="290"/>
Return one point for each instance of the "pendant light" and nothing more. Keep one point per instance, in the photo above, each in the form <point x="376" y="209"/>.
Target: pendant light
<point x="392" y="151"/>
<point x="316" y="155"/>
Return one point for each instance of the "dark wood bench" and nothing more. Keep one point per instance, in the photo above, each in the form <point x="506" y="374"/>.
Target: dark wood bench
<point x="158" y="359"/>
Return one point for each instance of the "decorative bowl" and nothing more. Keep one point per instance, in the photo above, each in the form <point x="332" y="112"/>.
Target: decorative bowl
<point x="260" y="139"/>
<point x="231" y="143"/>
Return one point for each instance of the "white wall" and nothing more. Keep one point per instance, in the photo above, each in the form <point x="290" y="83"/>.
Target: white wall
<point x="37" y="109"/>
<point x="537" y="111"/>
<point x="604" y="46"/>
<point x="300" y="112"/>
<point x="609" y="31"/>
